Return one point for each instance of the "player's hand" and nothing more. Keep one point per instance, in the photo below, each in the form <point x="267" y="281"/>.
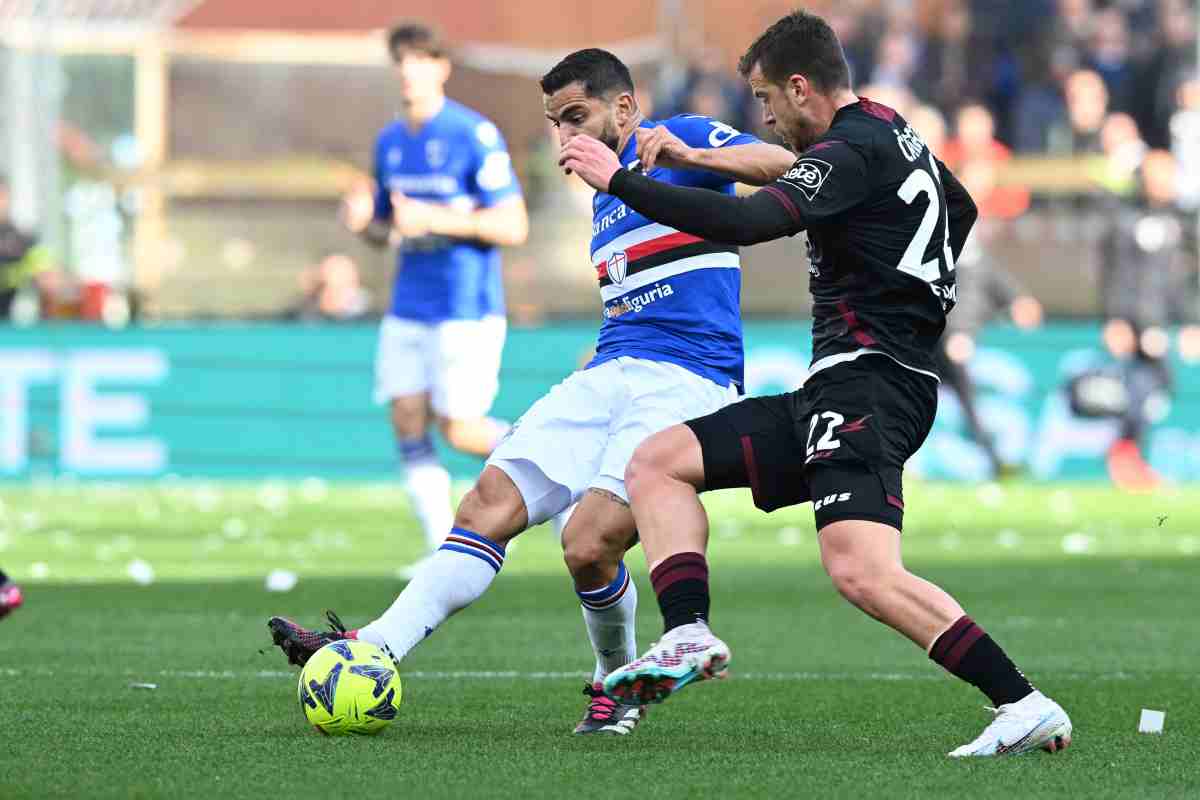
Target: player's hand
<point x="358" y="206"/>
<point x="591" y="160"/>
<point x="412" y="218"/>
<point x="1026" y="312"/>
<point x="658" y="147"/>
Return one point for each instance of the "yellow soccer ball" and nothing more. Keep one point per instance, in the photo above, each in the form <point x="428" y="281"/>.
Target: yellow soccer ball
<point x="349" y="687"/>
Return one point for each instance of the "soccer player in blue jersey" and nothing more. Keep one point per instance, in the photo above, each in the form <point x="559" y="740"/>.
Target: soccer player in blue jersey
<point x="670" y="347"/>
<point x="446" y="195"/>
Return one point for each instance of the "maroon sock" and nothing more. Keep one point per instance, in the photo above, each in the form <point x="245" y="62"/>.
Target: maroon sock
<point x="967" y="652"/>
<point x="681" y="583"/>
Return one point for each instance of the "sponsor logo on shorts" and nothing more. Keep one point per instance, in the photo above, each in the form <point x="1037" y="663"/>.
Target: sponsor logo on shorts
<point x="857" y="425"/>
<point x="830" y="499"/>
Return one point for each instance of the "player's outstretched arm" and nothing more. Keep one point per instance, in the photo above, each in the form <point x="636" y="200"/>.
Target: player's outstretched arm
<point x="756" y="164"/>
<point x="701" y="212"/>
<point x="505" y="224"/>
<point x="705" y="213"/>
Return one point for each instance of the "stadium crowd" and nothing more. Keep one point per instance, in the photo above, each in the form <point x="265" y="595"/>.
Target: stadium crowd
<point x="1038" y="66"/>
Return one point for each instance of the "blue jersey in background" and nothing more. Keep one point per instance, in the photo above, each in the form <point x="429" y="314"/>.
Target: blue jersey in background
<point x="457" y="158"/>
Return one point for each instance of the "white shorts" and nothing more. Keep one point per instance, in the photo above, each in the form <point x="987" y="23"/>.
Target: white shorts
<point x="457" y="362"/>
<point x="583" y="433"/>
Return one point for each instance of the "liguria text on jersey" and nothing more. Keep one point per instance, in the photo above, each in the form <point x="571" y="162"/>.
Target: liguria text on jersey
<point x="670" y="296"/>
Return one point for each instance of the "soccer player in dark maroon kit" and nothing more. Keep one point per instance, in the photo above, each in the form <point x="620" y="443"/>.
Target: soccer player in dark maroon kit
<point x="885" y="221"/>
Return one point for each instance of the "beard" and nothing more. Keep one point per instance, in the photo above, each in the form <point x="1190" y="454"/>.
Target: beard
<point x="610" y="136"/>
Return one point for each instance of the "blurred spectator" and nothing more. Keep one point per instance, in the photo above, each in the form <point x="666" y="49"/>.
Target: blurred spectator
<point x="977" y="156"/>
<point x="703" y="87"/>
<point x="892" y="96"/>
<point x="896" y="61"/>
<point x="1139" y="297"/>
<point x="24" y="263"/>
<point x="1154" y="88"/>
<point x="1087" y="107"/>
<point x="859" y="30"/>
<point x="332" y="290"/>
<point x="930" y="123"/>
<point x="1108" y="52"/>
<point x="955" y="64"/>
<point x="1123" y="153"/>
<point x="1185" y="142"/>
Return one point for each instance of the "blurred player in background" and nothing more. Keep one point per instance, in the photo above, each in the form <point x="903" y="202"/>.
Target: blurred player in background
<point x="23" y="261"/>
<point x="885" y="221"/>
<point x="10" y="596"/>
<point x="984" y="288"/>
<point x="445" y="193"/>
<point x="670" y="347"/>
<point x="1140" y="292"/>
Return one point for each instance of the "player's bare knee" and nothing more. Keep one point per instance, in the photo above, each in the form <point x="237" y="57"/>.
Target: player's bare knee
<point x="592" y="559"/>
<point x="852" y="580"/>
<point x="588" y="561"/>
<point x="649" y="464"/>
<point x="492" y="508"/>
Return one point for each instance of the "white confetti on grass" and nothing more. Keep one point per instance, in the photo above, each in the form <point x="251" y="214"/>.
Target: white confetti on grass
<point x="991" y="495"/>
<point x="1062" y="503"/>
<point x="281" y="580"/>
<point x="789" y="536"/>
<point x="39" y="570"/>
<point x="206" y="499"/>
<point x="1189" y="545"/>
<point x="62" y="540"/>
<point x="234" y="528"/>
<point x="1078" y="544"/>
<point x="1008" y="539"/>
<point x="140" y="572"/>
<point x="273" y="496"/>
<point x="313" y="490"/>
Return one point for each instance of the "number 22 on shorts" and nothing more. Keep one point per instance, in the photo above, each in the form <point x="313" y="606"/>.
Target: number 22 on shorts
<point x="826" y="442"/>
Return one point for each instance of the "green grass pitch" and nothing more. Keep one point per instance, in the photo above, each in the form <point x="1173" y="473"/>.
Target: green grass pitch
<point x="1095" y="595"/>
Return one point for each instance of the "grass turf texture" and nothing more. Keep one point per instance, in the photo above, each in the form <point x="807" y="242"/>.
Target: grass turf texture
<point x="1084" y="587"/>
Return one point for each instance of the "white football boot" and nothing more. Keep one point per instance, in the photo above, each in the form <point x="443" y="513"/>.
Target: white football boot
<point x="683" y="655"/>
<point x="1033" y="722"/>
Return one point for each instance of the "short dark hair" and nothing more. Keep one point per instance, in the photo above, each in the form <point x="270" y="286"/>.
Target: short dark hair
<point x="417" y="36"/>
<point x="800" y="43"/>
<point x="599" y="71"/>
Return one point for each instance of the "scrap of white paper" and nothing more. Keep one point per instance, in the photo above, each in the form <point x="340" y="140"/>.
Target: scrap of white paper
<point x="1151" y="721"/>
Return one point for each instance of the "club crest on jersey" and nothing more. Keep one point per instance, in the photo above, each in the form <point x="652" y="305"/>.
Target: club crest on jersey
<point x="618" y="267"/>
<point x="436" y="152"/>
<point x="808" y="175"/>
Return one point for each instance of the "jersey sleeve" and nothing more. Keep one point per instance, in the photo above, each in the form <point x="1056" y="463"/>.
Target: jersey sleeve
<point x="828" y="179"/>
<point x="706" y="132"/>
<point x="491" y="177"/>
<point x="383" y="197"/>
